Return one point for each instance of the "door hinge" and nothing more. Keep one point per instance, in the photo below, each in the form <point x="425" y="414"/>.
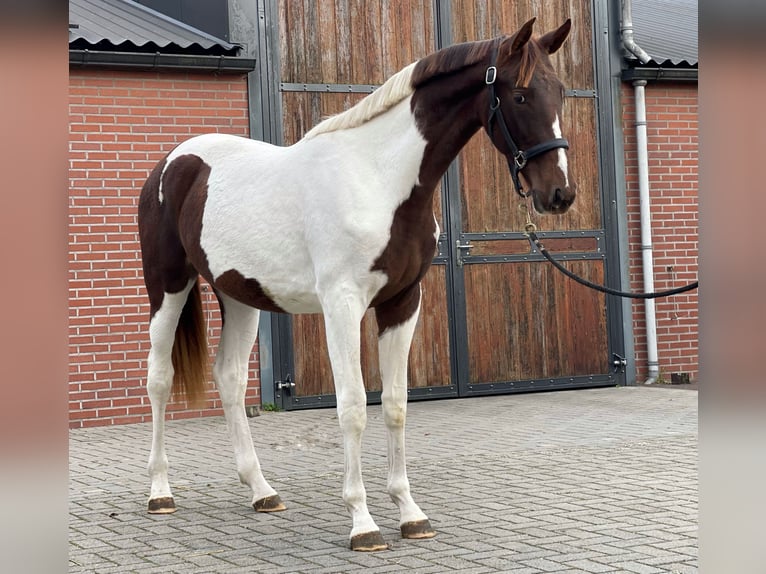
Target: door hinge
<point x="619" y="363"/>
<point x="288" y="386"/>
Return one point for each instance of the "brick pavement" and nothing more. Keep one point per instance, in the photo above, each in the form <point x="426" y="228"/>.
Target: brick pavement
<point x="601" y="480"/>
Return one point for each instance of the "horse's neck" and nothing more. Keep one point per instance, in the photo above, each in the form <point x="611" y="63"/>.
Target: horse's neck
<point x="448" y="115"/>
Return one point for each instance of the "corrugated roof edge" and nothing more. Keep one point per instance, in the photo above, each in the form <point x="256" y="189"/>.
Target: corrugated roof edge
<point x="171" y="35"/>
<point x="191" y="48"/>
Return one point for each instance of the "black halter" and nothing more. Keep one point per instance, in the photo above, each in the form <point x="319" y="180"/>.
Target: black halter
<point x="520" y="157"/>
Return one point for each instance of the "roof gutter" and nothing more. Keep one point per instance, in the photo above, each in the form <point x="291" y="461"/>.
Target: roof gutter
<point x="158" y="61"/>
<point x="660" y="74"/>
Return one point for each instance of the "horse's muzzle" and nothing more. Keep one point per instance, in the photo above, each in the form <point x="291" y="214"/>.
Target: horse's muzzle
<point x="556" y="201"/>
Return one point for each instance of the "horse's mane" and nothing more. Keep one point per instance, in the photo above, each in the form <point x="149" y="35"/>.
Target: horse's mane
<point x="393" y="91"/>
<point x="459" y="56"/>
<point x="450" y="59"/>
<point x="407" y="80"/>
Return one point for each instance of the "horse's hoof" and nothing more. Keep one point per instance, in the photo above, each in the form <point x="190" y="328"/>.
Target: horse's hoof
<point x="418" y="529"/>
<point x="162" y="505"/>
<point x="269" y="504"/>
<point x="368" y="542"/>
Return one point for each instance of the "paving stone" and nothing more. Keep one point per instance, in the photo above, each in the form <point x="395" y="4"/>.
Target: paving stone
<point x="601" y="480"/>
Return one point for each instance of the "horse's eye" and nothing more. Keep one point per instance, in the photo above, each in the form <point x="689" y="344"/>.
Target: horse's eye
<point x="519" y="98"/>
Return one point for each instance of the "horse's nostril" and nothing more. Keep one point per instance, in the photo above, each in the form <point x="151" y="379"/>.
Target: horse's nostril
<point x="558" y="195"/>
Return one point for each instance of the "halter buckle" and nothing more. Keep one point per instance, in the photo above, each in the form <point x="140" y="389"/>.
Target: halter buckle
<point x="490" y="76"/>
<point x="520" y="159"/>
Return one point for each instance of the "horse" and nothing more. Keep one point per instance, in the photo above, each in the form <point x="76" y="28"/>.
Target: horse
<point x="337" y="223"/>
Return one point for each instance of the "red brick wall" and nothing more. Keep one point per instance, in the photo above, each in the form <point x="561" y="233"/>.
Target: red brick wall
<point x="121" y="124"/>
<point x="672" y="133"/>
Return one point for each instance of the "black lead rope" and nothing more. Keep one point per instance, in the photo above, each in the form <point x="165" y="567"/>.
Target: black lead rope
<point x="535" y="241"/>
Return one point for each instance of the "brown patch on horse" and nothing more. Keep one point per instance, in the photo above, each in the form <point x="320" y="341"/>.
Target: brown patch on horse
<point x="246" y="290"/>
<point x="405" y="259"/>
<point x="186" y="179"/>
<point x="163" y="257"/>
<point x="167" y="270"/>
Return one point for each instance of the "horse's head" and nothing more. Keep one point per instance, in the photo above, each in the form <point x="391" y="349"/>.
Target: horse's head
<point x="524" y="116"/>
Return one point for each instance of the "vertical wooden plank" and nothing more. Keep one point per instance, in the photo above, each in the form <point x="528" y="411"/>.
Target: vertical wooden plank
<point x="312" y="57"/>
<point x="343" y="38"/>
<point x="389" y="43"/>
<point x="328" y="41"/>
<point x="404" y="14"/>
<point x="373" y="50"/>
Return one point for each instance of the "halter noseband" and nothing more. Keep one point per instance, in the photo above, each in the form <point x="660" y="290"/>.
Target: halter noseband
<point x="520" y="157"/>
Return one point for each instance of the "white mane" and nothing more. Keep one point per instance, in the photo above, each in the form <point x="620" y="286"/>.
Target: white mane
<point x="393" y="91"/>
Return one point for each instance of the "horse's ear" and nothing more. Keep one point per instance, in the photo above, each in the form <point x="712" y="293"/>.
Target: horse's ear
<point x="520" y="38"/>
<point x="552" y="41"/>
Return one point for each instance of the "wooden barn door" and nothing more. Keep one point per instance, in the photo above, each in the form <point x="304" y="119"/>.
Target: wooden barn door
<point x="332" y="54"/>
<point x="525" y="325"/>
<point x="495" y="317"/>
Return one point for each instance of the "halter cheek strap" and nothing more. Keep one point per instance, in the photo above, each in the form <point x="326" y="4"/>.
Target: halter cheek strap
<point x="518" y="158"/>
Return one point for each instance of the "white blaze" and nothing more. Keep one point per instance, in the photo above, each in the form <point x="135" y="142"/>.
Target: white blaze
<point x="562" y="154"/>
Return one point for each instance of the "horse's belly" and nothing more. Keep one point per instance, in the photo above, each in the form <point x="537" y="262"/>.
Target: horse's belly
<point x="276" y="295"/>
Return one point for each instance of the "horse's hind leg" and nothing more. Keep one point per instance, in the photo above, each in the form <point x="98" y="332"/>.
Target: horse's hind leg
<point x="240" y="328"/>
<point x="159" y="382"/>
<point x="396" y="321"/>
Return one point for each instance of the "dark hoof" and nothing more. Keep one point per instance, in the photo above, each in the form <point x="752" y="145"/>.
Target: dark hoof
<point x="368" y="542"/>
<point x="269" y="504"/>
<point x="163" y="505"/>
<point x="419" y="529"/>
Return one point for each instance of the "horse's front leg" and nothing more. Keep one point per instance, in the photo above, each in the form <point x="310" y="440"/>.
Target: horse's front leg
<point x="396" y="321"/>
<point x="343" y="315"/>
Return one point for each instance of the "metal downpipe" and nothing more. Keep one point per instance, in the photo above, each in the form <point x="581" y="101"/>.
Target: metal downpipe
<point x="647" y="252"/>
<point x="647" y="255"/>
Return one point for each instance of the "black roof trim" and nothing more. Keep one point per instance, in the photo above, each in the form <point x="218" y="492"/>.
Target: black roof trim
<point x="661" y="74"/>
<point x="158" y="61"/>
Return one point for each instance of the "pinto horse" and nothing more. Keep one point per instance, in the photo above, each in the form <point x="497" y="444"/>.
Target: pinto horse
<point x="337" y="223"/>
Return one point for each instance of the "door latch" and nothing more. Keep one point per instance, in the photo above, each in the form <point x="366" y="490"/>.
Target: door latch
<point x="461" y="249"/>
<point x="287" y="385"/>
<point x="619" y="363"/>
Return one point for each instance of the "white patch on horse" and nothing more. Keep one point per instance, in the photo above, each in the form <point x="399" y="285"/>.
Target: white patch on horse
<point x="292" y="241"/>
<point x="561" y="153"/>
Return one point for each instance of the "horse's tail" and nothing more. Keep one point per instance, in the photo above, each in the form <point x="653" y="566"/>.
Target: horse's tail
<point x="190" y="352"/>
